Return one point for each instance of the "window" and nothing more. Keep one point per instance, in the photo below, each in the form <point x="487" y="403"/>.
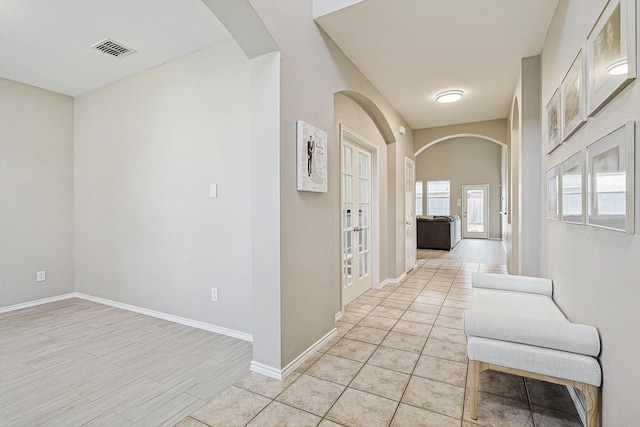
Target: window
<point x="610" y="193"/>
<point x="571" y="193"/>
<point x="418" y="198"/>
<point x="438" y="193"/>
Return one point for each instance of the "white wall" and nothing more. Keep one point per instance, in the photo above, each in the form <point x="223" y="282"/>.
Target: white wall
<point x="265" y="209"/>
<point x="147" y="147"/>
<point x="36" y="193"/>
<point x="596" y="272"/>
<point x="464" y="161"/>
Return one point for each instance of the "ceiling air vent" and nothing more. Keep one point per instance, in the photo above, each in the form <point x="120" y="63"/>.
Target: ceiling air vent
<point x="113" y="48"/>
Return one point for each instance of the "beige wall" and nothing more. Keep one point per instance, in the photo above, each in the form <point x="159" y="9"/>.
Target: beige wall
<point x="464" y="161"/>
<point x="529" y="189"/>
<point x="493" y="129"/>
<point x="524" y="219"/>
<point x="36" y="193"/>
<point x="512" y="229"/>
<point x="401" y="149"/>
<point x="313" y="69"/>
<point x="147" y="148"/>
<point x="596" y="271"/>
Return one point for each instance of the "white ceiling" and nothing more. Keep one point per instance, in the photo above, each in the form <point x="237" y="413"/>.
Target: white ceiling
<point x="46" y="43"/>
<point x="413" y="49"/>
<point x="409" y="49"/>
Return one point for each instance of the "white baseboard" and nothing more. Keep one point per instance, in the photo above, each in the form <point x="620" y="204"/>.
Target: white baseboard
<point x="36" y="302"/>
<point x="170" y="317"/>
<point x="157" y="314"/>
<point x="382" y="284"/>
<point x="266" y="370"/>
<point x="391" y="281"/>
<point x="280" y="374"/>
<point x="338" y="315"/>
<point x="578" y="404"/>
<point x="308" y="353"/>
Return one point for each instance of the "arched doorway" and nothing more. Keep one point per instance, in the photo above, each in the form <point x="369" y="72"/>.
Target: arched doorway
<point x="464" y="172"/>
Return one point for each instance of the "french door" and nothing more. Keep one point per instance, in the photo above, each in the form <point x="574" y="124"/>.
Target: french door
<point x="475" y="211"/>
<point x="356" y="221"/>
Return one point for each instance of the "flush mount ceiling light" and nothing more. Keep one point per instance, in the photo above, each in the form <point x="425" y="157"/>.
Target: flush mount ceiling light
<point x="449" y="96"/>
<point x="618" y="68"/>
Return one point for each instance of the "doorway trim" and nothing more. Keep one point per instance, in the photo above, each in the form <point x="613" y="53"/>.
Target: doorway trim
<point x="411" y="225"/>
<point x="352" y="137"/>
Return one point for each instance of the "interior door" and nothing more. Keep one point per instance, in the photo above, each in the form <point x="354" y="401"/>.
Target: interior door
<point x="475" y="211"/>
<point x="410" y="214"/>
<point x="356" y="221"/>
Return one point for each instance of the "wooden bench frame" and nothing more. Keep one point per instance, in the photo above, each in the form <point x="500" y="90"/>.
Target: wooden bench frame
<point x="591" y="393"/>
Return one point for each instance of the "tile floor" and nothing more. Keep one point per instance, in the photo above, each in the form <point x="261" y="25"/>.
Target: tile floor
<point x="399" y="360"/>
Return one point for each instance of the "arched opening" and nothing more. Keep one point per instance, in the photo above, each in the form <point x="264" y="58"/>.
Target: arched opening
<point x="360" y="139"/>
<point x="512" y="234"/>
<point x="515" y="116"/>
<point x="465" y="162"/>
<point x="374" y="112"/>
<point x="460" y="135"/>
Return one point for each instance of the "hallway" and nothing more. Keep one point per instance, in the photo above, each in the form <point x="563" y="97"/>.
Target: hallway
<point x="481" y="251"/>
<point x="399" y="359"/>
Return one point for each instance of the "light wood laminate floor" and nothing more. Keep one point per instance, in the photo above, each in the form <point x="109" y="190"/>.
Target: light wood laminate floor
<point x="75" y="363"/>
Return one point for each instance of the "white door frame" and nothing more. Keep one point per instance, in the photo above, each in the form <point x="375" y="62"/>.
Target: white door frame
<point x="352" y="137"/>
<point x="473" y="235"/>
<point x="410" y="217"/>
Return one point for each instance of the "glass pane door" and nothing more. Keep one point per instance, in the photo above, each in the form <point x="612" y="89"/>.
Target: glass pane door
<point x="356" y="221"/>
<point x="475" y="213"/>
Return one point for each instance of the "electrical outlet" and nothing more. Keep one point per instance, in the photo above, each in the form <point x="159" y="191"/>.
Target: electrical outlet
<point x="41" y="276"/>
<point x="214" y="294"/>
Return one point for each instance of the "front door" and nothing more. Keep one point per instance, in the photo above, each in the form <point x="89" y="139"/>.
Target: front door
<point x="475" y="211"/>
<point x="410" y="214"/>
<point x="356" y="221"/>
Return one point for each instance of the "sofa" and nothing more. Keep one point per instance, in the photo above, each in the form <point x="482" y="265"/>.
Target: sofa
<point x="438" y="232"/>
<point x="515" y="327"/>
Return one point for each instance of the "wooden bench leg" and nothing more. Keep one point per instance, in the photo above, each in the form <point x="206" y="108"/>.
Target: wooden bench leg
<point x="474" y="377"/>
<point x="592" y="401"/>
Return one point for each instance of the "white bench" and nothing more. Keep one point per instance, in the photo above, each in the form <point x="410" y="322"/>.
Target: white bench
<point x="515" y="327"/>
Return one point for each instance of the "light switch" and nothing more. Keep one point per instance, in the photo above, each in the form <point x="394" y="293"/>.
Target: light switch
<point x="213" y="190"/>
<point x="459" y="202"/>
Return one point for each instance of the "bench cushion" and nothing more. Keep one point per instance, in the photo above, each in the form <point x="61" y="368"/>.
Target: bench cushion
<point x="519" y="304"/>
<point x="530" y="285"/>
<point x="546" y="361"/>
<point x="565" y="336"/>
